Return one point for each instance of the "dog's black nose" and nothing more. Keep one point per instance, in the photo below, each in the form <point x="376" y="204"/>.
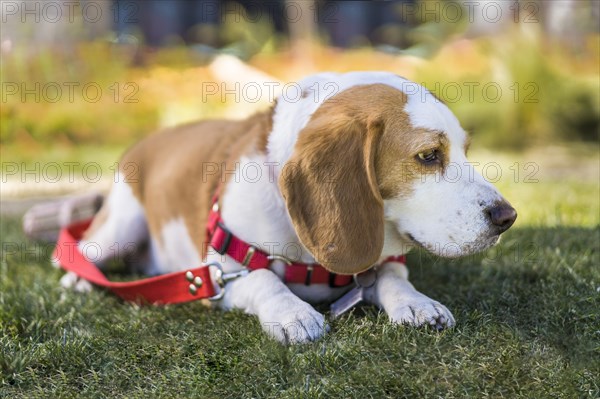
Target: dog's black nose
<point x="502" y="216"/>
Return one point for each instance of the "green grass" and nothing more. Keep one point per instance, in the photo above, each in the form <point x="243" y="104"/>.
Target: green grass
<point x="528" y="325"/>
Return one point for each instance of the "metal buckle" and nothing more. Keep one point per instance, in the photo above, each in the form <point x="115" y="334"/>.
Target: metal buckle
<point x="249" y="255"/>
<point x="281" y="258"/>
<point x="223" y="278"/>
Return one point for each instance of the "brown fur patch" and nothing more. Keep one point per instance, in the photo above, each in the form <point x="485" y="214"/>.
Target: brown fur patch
<point x="176" y="172"/>
<point x="266" y="125"/>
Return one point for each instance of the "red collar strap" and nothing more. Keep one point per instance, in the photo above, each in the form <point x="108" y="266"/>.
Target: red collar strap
<point x="224" y="242"/>
<point x="192" y="284"/>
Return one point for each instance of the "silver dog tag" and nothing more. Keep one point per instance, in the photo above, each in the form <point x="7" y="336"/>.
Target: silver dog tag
<point x="349" y="300"/>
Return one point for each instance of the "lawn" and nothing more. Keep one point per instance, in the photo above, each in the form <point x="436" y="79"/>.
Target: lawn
<point x="527" y="312"/>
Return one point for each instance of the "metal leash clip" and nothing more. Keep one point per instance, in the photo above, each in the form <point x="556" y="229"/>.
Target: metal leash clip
<point x="222" y="278"/>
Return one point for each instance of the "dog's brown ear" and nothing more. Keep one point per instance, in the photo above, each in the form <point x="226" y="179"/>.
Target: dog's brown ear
<point x="330" y="189"/>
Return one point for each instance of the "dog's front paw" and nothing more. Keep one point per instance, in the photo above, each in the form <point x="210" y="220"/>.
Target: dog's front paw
<point x="419" y="310"/>
<point x="72" y="281"/>
<point x="294" y="324"/>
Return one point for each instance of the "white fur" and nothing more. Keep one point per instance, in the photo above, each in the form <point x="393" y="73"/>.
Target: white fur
<point x="255" y="211"/>
<point x="72" y="281"/>
<point x="446" y="215"/>
<point x="175" y="251"/>
<point x="282" y="314"/>
<point x="269" y="226"/>
<point x="124" y="229"/>
<point x="393" y="293"/>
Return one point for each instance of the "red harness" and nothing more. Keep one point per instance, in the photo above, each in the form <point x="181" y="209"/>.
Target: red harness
<point x="192" y="284"/>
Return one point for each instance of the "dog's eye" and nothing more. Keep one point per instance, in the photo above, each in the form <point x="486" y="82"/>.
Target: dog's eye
<point x="428" y="156"/>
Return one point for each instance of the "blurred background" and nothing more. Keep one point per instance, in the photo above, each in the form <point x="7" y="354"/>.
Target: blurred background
<point x="82" y="80"/>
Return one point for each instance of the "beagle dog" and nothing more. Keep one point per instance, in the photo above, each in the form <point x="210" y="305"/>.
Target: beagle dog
<point x="342" y="178"/>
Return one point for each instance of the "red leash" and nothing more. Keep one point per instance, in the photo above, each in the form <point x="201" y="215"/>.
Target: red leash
<point x="192" y="284"/>
<point x="165" y="289"/>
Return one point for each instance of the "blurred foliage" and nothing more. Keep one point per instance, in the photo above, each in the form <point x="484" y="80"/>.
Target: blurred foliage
<point x="510" y="90"/>
<point x="32" y="117"/>
<point x="518" y="90"/>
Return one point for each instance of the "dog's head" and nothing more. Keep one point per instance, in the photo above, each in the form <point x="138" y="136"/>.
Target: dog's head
<point x="378" y="165"/>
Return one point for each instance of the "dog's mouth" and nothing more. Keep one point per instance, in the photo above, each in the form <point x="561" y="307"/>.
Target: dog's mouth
<point x="454" y="249"/>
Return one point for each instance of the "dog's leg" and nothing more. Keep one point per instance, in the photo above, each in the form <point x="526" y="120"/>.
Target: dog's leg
<point x="393" y="293"/>
<point x="118" y="230"/>
<point x="282" y="314"/>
